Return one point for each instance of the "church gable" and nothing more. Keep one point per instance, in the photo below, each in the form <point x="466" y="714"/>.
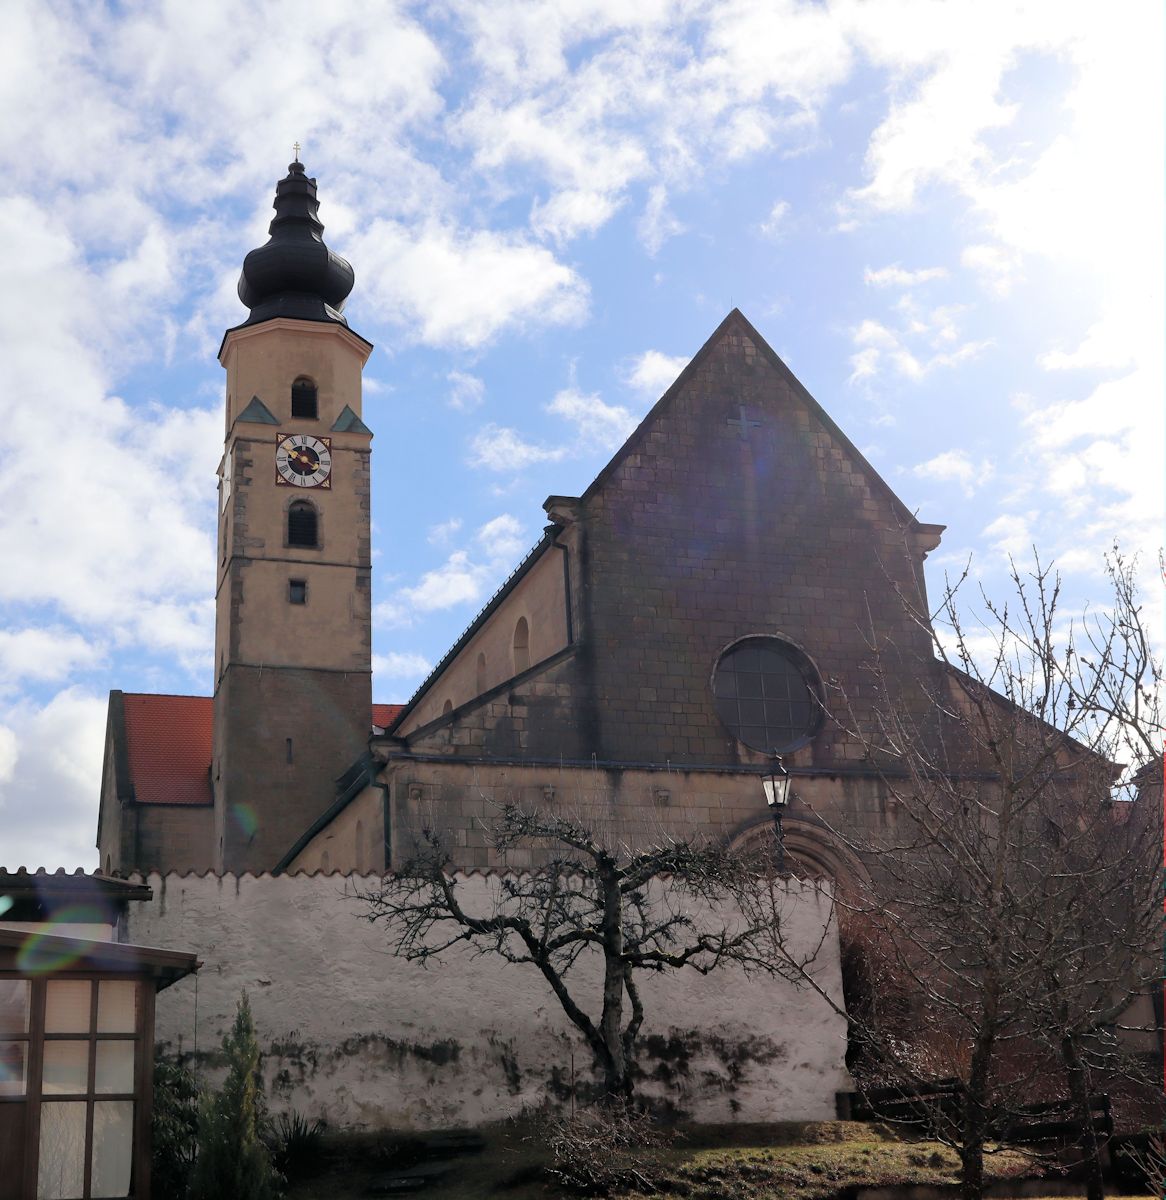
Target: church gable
<point x="737" y="510"/>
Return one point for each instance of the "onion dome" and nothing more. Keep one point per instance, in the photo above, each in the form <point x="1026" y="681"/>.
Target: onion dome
<point x="295" y="274"/>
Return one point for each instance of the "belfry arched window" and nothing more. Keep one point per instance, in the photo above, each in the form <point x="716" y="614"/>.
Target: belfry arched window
<point x="302" y="524"/>
<point x="304" y="402"/>
<point x="521" y="645"/>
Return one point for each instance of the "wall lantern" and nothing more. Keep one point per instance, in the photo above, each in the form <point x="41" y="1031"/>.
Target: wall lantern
<point x="775" y="781"/>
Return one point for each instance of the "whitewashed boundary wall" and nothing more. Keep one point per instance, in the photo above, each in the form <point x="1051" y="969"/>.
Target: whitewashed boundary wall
<point x="366" y="1040"/>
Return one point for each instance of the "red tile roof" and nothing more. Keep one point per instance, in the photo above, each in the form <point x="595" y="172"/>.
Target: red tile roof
<point x="383" y="715"/>
<point x="168" y="744"/>
<point x="168" y="741"/>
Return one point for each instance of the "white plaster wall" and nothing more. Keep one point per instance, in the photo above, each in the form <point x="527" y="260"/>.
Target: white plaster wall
<point x="367" y="1040"/>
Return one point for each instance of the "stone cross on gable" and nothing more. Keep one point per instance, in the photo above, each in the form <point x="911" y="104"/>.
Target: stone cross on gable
<point x="744" y="424"/>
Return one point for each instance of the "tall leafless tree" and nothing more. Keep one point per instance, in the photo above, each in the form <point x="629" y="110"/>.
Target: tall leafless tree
<point x="677" y="904"/>
<point x="1015" y="888"/>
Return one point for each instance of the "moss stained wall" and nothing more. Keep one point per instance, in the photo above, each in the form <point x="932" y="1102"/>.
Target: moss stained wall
<point x="369" y="1041"/>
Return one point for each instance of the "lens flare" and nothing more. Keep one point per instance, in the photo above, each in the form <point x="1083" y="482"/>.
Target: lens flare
<point x="40" y="957"/>
<point x="245" y="819"/>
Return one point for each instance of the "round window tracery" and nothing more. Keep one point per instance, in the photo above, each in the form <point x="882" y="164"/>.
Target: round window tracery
<point x="766" y="693"/>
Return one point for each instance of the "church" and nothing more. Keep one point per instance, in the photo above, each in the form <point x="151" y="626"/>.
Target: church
<point x="674" y="628"/>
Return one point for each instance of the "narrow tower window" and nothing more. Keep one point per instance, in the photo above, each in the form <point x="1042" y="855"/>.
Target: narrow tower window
<point x="480" y="675"/>
<point x="303" y="399"/>
<point x="297" y="591"/>
<point x="302" y="524"/>
<point x="521" y="645"/>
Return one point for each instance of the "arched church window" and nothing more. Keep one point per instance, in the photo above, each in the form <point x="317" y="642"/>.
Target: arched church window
<point x="480" y="675"/>
<point x="303" y="399"/>
<point x="767" y="694"/>
<point x="447" y="707"/>
<point x="521" y="645"/>
<point x="302" y="524"/>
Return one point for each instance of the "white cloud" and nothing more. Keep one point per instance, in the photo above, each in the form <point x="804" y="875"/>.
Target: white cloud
<point x="500" y="449"/>
<point x="1106" y="345"/>
<point x="48" y="653"/>
<point x="596" y="422"/>
<point x="657" y="224"/>
<point x="456" y="581"/>
<point x="391" y="614"/>
<point x="996" y="267"/>
<point x="654" y="372"/>
<point x="502" y="539"/>
<point x="465" y="576"/>
<point x="1043" y="213"/>
<point x="595" y="99"/>
<point x="1112" y="408"/>
<point x="897" y="276"/>
<point x="1012" y="534"/>
<point x="117" y="508"/>
<point x="956" y="467"/>
<point x="401" y="665"/>
<point x="57" y="771"/>
<point x="572" y="212"/>
<point x="466" y="391"/>
<point x="774" y="225"/>
<point x="441" y="534"/>
<point x="955" y="60"/>
<point x="924" y="343"/>
<point x="455" y="287"/>
<point x="9" y="753"/>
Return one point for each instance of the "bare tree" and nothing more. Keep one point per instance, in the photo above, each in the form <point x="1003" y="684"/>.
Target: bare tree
<point x="674" y="905"/>
<point x="1015" y="890"/>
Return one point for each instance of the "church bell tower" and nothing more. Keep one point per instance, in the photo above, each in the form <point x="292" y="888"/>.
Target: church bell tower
<point x="293" y="602"/>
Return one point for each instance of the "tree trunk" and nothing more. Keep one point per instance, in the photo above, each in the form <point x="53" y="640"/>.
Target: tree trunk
<point x="1078" y="1079"/>
<point x="617" y="1081"/>
<point x="975" y="1114"/>
<point x="975" y="1130"/>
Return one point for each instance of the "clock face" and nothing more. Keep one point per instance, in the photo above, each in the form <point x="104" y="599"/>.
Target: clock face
<point x="303" y="461"/>
<point x="225" y="481"/>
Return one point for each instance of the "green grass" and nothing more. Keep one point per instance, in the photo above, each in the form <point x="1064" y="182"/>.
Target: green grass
<point x="730" y="1162"/>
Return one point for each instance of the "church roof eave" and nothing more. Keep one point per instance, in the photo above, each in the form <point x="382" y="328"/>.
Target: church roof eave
<point x="364" y="345"/>
<point x="533" y="555"/>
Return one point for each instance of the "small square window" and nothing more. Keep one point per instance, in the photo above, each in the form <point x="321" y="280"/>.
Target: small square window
<point x="297" y="591"/>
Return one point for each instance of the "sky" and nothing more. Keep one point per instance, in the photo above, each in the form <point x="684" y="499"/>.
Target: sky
<point x="945" y="217"/>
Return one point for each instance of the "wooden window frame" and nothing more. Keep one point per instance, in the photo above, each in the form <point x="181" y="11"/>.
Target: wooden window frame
<point x="141" y="1097"/>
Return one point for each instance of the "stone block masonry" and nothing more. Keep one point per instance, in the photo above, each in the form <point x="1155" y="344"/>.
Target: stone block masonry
<point x="368" y="1041"/>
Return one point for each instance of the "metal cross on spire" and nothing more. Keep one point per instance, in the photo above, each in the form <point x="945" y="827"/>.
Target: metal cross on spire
<point x="296" y="151"/>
